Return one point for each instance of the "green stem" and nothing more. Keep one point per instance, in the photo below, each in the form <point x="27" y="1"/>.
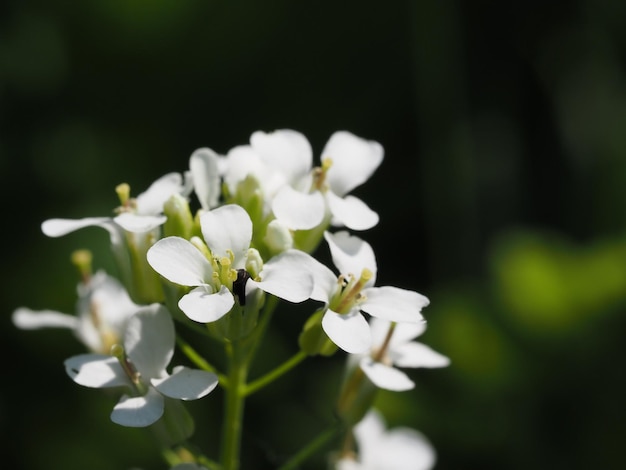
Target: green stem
<point x="235" y="398"/>
<point x="271" y="303"/>
<point x="275" y="373"/>
<point x="312" y="447"/>
<point x="198" y="360"/>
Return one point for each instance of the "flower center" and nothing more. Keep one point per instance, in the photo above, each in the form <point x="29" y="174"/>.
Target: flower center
<point x="349" y="293"/>
<point x="127" y="203"/>
<point x="131" y="371"/>
<point x="319" y="175"/>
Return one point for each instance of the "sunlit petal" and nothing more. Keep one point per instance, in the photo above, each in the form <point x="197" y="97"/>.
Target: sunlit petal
<point x="186" y="383"/>
<point x="349" y="331"/>
<point x="394" y="304"/>
<point x="228" y="228"/>
<point x="351" y="212"/>
<point x="178" y="261"/>
<point x="385" y="377"/>
<point x="139" y="412"/>
<point x="204" y="307"/>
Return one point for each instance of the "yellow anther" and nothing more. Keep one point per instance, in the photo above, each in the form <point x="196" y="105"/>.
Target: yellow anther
<point x="82" y="260"/>
<point x="123" y="193"/>
<point x="366" y="275"/>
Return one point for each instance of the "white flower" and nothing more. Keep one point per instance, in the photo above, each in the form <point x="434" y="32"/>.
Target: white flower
<point x="400" y="448"/>
<point x="139" y="215"/>
<point x="353" y="292"/>
<point x="227" y="232"/>
<point x="300" y="195"/>
<point x="140" y="366"/>
<point x="103" y="309"/>
<point x="401" y="351"/>
<point x="347" y="161"/>
<point x="204" y="166"/>
<point x="131" y="232"/>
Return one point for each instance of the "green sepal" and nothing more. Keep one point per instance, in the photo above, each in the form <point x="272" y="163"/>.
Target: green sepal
<point x="175" y="426"/>
<point x="357" y="395"/>
<point x="313" y="340"/>
<point x="241" y="321"/>
<point x="179" y="219"/>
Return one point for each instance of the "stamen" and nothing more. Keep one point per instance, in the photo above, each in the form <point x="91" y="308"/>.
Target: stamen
<point x="82" y="260"/>
<point x="117" y="350"/>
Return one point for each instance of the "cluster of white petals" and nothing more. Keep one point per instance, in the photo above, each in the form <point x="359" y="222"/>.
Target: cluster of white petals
<point x="348" y="328"/>
<point x="282" y="162"/>
<point x="145" y="214"/>
<point x="401" y="351"/>
<point x="102" y="312"/>
<point x="148" y="348"/>
<point x="227" y="232"/>
<point x="379" y="448"/>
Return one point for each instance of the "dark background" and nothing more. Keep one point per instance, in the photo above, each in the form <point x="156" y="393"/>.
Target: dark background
<point x="501" y="199"/>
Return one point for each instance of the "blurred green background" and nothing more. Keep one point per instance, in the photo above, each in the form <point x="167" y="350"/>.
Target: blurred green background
<point x="501" y="199"/>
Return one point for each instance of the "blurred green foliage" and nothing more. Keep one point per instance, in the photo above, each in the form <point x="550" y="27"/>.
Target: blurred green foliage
<point x="501" y="198"/>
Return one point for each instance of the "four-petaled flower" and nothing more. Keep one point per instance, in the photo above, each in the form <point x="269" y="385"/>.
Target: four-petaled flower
<point x="140" y="366"/>
<point x="299" y="195"/>
<point x="103" y="310"/>
<point x="227" y="232"/>
<point x="353" y="292"/>
<point x="400" y="351"/>
<point x="400" y="448"/>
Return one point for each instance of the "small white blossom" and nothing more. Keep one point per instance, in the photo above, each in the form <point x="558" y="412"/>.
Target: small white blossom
<point x="102" y="312"/>
<point x="138" y="215"/>
<point x="140" y="367"/>
<point x="400" y="448"/>
<point x="132" y="231"/>
<point x="298" y="194"/>
<point x="353" y="292"/>
<point x="227" y="232"/>
<point x="401" y="351"/>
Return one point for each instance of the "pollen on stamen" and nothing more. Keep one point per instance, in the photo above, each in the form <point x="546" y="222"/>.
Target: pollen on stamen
<point x="123" y="193"/>
<point x="82" y="260"/>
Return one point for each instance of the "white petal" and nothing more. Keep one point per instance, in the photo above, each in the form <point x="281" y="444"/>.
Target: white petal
<point x="351" y="212"/>
<point x="204" y="307"/>
<point x="139" y="412"/>
<point x="386" y="377"/>
<point x="186" y="383"/>
<point x="28" y="319"/>
<point x="285" y="151"/>
<point x="151" y="201"/>
<point x="139" y="223"/>
<point x="96" y="371"/>
<point x="351" y="254"/>
<point x="348" y="464"/>
<point x="149" y="340"/>
<point x="350" y="331"/>
<point x="354" y="161"/>
<point x="369" y="433"/>
<point x="297" y="210"/>
<point x="416" y="354"/>
<point x="402" y="333"/>
<point x="228" y="228"/>
<point x="394" y="304"/>
<point x="178" y="261"/>
<point x="324" y="280"/>
<point x="287" y="277"/>
<point x="203" y="164"/>
<point x="60" y="227"/>
<point x="404" y="449"/>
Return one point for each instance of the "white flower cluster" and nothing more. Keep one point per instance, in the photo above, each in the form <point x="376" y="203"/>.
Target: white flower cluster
<point x="262" y="210"/>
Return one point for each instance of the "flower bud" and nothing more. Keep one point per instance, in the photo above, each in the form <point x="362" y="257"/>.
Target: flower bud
<point x="313" y="340"/>
<point x="278" y="237"/>
<point x="179" y="219"/>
